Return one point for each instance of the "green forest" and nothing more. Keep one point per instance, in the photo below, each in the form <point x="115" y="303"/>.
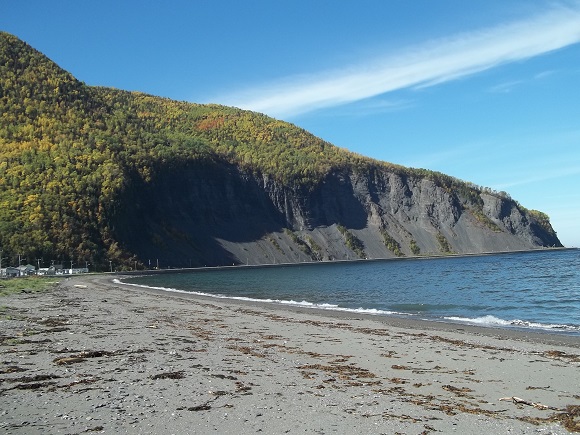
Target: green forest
<point x="68" y="151"/>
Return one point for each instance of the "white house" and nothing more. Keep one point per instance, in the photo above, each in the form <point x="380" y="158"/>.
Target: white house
<point x="27" y="269"/>
<point x="48" y="271"/>
<point x="10" y="272"/>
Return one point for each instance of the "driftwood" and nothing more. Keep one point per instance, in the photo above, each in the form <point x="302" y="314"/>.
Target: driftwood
<point x="520" y="401"/>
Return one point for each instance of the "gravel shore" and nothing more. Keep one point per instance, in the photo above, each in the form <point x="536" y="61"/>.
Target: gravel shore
<point x="95" y="356"/>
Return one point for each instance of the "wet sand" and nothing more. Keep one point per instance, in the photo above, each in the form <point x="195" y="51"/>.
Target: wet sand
<point x="93" y="356"/>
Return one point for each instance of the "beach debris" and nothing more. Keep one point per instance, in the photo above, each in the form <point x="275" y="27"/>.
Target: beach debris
<point x="520" y="401"/>
<point x="558" y="354"/>
<point x="82" y="356"/>
<point x="168" y="375"/>
<point x="220" y="376"/>
<point x="94" y="429"/>
<point x="389" y="354"/>
<point x="240" y="387"/>
<point x="247" y="351"/>
<point x="68" y="360"/>
<point x="538" y="388"/>
<point x="31" y="382"/>
<point x="31" y="386"/>
<point x="400" y="417"/>
<point x="54" y="321"/>
<point x="36" y="378"/>
<point x="342" y="372"/>
<point x="95" y="353"/>
<point x="204" y="407"/>
<point x="568" y="417"/>
<point x="12" y="369"/>
<point x="89" y="380"/>
<point x="400" y="367"/>
<point x="456" y="390"/>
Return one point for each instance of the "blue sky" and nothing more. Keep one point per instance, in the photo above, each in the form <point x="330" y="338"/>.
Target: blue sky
<point x="486" y="91"/>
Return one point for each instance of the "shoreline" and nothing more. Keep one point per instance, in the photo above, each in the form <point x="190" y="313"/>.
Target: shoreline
<point x="102" y="357"/>
<point x="537" y="335"/>
<point x="314" y="263"/>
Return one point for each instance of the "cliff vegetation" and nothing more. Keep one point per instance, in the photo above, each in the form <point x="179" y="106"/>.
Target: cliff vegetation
<point x="101" y="176"/>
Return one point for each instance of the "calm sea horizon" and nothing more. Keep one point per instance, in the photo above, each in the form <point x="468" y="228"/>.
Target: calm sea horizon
<point x="537" y="290"/>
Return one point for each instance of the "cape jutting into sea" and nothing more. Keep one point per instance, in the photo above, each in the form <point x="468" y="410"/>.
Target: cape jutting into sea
<point x="537" y="289"/>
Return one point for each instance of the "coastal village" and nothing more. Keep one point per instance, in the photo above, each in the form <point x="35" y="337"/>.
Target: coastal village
<point x="30" y="270"/>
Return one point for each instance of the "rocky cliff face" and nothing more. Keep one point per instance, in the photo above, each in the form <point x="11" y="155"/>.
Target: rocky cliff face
<point x="98" y="175"/>
<point x="215" y="214"/>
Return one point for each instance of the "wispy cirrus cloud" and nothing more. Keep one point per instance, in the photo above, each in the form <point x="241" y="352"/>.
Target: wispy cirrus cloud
<point x="367" y="107"/>
<point x="506" y="87"/>
<point x="430" y="64"/>
<point x="542" y="75"/>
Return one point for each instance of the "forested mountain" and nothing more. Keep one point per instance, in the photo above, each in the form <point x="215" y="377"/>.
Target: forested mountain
<point x="104" y="176"/>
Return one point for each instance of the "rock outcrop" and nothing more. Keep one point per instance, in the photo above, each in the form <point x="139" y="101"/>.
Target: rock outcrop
<point x="216" y="214"/>
<point x="102" y="176"/>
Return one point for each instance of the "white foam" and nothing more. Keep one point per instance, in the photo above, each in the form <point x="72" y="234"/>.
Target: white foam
<point x="303" y="304"/>
<point x="495" y="321"/>
<point x="489" y="320"/>
<point x="485" y="320"/>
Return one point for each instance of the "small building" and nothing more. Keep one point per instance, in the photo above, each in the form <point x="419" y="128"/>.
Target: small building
<point x="27" y="270"/>
<point x="10" y="272"/>
<point x="47" y="271"/>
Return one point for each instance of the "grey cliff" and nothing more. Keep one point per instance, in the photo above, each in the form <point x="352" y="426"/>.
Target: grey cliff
<point x="216" y="214"/>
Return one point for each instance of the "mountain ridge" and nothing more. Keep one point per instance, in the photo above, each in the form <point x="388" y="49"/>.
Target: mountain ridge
<point x="98" y="175"/>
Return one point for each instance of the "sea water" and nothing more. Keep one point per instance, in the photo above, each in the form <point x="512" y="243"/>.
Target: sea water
<point x="537" y="289"/>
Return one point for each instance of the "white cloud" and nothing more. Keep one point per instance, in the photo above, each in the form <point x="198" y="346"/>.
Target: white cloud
<point x="504" y="88"/>
<point x="371" y="106"/>
<point x="433" y="63"/>
<point x="544" y="74"/>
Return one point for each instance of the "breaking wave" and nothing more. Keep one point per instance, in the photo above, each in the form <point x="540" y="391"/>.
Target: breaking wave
<point x="301" y="304"/>
<point x="492" y="321"/>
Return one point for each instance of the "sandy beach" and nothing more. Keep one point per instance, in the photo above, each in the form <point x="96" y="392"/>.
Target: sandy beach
<point x="94" y="356"/>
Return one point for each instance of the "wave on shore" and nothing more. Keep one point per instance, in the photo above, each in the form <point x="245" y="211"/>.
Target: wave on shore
<point x="484" y="321"/>
<point x="492" y="321"/>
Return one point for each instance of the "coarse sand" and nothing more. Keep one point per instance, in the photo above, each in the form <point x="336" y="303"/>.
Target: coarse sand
<point x="96" y="356"/>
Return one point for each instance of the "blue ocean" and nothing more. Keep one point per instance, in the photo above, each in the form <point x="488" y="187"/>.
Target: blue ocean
<point x="538" y="290"/>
